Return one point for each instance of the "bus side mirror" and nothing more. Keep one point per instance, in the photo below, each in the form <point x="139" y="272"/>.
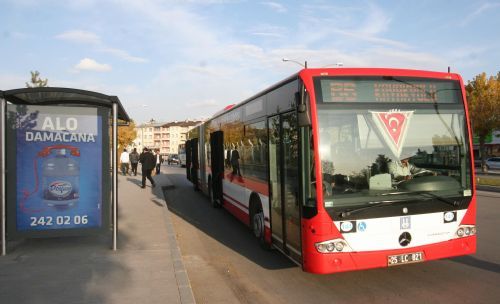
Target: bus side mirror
<point x="304" y="119"/>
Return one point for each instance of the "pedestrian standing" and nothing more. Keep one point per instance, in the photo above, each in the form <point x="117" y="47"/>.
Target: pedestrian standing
<point x="147" y="160"/>
<point x="235" y="162"/>
<point x="134" y="160"/>
<point x="159" y="161"/>
<point x="124" y="160"/>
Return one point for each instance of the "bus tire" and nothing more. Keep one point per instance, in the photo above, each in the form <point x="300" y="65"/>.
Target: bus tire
<point x="257" y="222"/>
<point x="210" y="191"/>
<point x="214" y="201"/>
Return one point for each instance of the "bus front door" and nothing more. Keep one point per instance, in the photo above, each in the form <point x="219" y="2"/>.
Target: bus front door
<point x="283" y="173"/>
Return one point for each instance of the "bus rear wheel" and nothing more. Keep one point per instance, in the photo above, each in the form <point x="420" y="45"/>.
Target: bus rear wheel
<point x="214" y="201"/>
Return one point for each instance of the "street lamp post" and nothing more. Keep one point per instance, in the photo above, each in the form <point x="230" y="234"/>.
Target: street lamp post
<point x="338" y="64"/>
<point x="304" y="65"/>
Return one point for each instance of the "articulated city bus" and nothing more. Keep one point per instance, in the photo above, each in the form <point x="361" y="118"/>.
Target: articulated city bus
<point x="346" y="169"/>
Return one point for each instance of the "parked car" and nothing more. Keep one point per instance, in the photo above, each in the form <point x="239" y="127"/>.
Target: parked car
<point x="173" y="159"/>
<point x="493" y="163"/>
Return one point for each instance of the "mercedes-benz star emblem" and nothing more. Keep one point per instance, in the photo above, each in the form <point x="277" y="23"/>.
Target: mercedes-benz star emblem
<point x="404" y="239"/>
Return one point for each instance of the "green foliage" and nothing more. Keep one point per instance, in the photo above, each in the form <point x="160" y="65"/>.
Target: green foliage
<point x="36" y="81"/>
<point x="483" y="96"/>
<point x="126" y="135"/>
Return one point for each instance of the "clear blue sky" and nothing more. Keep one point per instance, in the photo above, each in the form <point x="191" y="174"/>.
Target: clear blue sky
<point x="173" y="60"/>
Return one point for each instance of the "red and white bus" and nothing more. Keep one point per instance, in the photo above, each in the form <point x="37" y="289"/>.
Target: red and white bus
<point x="346" y="168"/>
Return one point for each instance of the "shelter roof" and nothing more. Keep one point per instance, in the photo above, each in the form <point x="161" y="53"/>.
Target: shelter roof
<point x="62" y="96"/>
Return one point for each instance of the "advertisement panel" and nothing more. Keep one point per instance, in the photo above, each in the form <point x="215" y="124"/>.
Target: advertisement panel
<point x="60" y="184"/>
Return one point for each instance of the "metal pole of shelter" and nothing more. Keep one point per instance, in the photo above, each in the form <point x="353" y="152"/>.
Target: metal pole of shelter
<point x="2" y="166"/>
<point x="115" y="175"/>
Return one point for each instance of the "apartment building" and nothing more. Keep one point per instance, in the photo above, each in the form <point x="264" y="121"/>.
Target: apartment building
<point x="166" y="136"/>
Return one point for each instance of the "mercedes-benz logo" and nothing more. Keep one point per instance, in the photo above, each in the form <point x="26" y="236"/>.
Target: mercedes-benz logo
<point x="404" y="239"/>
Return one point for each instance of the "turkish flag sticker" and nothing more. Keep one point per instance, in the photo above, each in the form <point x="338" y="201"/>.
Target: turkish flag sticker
<point x="393" y="125"/>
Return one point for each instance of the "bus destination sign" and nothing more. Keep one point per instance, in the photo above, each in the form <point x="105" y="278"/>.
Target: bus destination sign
<point x="390" y="91"/>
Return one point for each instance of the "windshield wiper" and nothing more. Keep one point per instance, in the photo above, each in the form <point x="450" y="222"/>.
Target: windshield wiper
<point x="349" y="212"/>
<point x="453" y="203"/>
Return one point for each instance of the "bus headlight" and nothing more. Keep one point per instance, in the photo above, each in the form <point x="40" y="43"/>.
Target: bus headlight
<point x="339" y="246"/>
<point x="332" y="246"/>
<point x="465" y="230"/>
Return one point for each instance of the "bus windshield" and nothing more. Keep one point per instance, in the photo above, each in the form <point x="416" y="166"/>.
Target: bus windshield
<point x="381" y="151"/>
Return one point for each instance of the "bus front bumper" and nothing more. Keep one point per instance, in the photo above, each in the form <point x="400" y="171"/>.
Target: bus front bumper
<point x="325" y="263"/>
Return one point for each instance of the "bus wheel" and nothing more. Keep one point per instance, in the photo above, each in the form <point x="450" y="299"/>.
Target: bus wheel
<point x="214" y="201"/>
<point x="258" y="227"/>
<point x="210" y="191"/>
<point x="258" y="224"/>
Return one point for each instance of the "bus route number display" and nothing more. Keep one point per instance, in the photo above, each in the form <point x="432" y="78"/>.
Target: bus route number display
<point x="390" y="91"/>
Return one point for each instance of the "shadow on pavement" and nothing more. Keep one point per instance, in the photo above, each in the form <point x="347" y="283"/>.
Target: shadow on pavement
<point x="84" y="269"/>
<point x="194" y="207"/>
<point x="135" y="180"/>
<point x="477" y="263"/>
<point x="61" y="270"/>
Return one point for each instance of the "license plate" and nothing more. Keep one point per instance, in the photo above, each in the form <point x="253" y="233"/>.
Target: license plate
<point x="406" y="258"/>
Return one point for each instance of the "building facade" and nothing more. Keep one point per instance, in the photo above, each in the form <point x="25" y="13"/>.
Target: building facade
<point x="166" y="136"/>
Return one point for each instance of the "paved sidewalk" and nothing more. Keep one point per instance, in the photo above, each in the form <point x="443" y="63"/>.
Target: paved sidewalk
<point x="147" y="268"/>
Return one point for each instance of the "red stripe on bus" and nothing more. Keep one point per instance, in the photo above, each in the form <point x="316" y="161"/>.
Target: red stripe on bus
<point x="235" y="201"/>
<point x="237" y="212"/>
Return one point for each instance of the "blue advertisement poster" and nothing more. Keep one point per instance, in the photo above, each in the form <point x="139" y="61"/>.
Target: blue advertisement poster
<point x="58" y="168"/>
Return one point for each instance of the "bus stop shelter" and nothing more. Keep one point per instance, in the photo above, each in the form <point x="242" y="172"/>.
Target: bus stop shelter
<point x="55" y="162"/>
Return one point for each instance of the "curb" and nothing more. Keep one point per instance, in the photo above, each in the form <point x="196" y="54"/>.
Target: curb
<point x="185" y="290"/>
<point x="488" y="188"/>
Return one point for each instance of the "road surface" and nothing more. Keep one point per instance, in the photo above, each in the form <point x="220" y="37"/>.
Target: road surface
<point x="226" y="265"/>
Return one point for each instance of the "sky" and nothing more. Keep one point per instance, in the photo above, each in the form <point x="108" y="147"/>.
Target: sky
<point x="174" y="60"/>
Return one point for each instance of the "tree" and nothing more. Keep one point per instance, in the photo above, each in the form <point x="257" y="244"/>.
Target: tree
<point x="126" y="135"/>
<point x="36" y="81"/>
<point x="483" y="95"/>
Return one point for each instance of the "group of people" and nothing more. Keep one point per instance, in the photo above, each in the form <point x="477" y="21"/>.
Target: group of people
<point x="148" y="161"/>
<point x="129" y="159"/>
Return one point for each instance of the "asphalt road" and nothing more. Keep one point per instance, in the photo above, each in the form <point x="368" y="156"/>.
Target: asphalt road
<point x="226" y="265"/>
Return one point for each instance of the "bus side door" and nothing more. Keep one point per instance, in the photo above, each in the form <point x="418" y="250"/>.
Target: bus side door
<point x="284" y="184"/>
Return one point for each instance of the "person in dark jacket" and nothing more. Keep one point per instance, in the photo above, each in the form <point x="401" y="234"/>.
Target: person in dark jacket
<point x="148" y="161"/>
<point x="158" y="161"/>
<point x="134" y="160"/>
<point x="235" y="162"/>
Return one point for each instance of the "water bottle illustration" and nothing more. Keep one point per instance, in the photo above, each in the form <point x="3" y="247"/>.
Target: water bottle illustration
<point x="60" y="176"/>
